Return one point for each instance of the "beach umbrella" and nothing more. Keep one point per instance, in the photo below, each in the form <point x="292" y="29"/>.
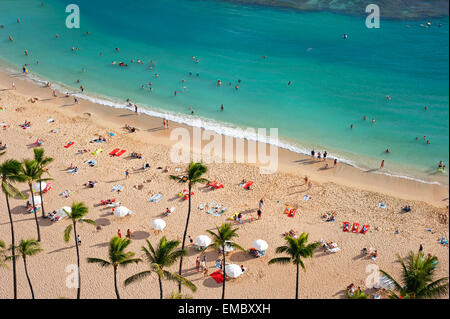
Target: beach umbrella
<point x="158" y="224"/>
<point x="260" y="244"/>
<point x="233" y="270"/>
<point x="385" y="283"/>
<point x="202" y="241"/>
<point x="228" y="248"/>
<point x="62" y="211"/>
<point x="37" y="200"/>
<point x="121" y="211"/>
<point x="36" y="186"/>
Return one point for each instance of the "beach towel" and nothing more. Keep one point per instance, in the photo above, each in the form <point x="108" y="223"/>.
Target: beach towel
<point x="202" y="206"/>
<point x="120" y="153"/>
<point x="346" y="226"/>
<point x="364" y="229"/>
<point x="220" y="213"/>
<point x="98" y="151"/>
<point x="156" y="198"/>
<point x="306" y="197"/>
<point x="68" y="145"/>
<point x="382" y="205"/>
<point x="355" y="227"/>
<point x="114" y="151"/>
<point x="66" y="193"/>
<point x="50" y="120"/>
<point x="218" y="276"/>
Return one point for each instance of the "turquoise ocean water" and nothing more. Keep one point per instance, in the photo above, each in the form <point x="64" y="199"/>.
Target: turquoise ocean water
<point x="335" y="81"/>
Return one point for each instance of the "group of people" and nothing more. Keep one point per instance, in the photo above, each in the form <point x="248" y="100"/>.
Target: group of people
<point x="128" y="235"/>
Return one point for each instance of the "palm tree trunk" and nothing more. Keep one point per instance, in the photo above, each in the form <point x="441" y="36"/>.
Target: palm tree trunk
<point x="185" y="234"/>
<point x="296" y="284"/>
<point x="160" y="288"/>
<point x="35" y="214"/>
<point x="224" y="275"/>
<point x="28" y="277"/>
<point x="78" y="260"/>
<point x="42" y="200"/>
<point x="13" y="247"/>
<point x="115" y="282"/>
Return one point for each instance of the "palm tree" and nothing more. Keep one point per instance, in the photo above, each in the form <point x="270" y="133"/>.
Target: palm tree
<point x="417" y="278"/>
<point x="2" y="253"/>
<point x="117" y="257"/>
<point x="26" y="248"/>
<point x="31" y="172"/>
<point x="79" y="211"/>
<point x="222" y="239"/>
<point x="9" y="173"/>
<point x="192" y="176"/>
<point x="164" y="256"/>
<point x="42" y="162"/>
<point x="297" y="248"/>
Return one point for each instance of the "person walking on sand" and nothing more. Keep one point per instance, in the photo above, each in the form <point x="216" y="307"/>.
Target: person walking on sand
<point x="135" y="108"/>
<point x="309" y="185"/>
<point x="127" y="174"/>
<point x="197" y="264"/>
<point x="128" y="233"/>
<point x="191" y="241"/>
<point x="335" y="162"/>
<point x="306" y="180"/>
<point x="259" y="212"/>
<point x="261" y="203"/>
<point x="13" y="85"/>
<point x="119" y="233"/>
<point x="78" y="240"/>
<point x="421" y="248"/>
<point x="382" y="164"/>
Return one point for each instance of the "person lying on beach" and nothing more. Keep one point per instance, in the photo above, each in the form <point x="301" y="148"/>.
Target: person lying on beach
<point x="100" y="139"/>
<point x="406" y="209"/>
<point x="3" y="146"/>
<point x="90" y="184"/>
<point x="167" y="212"/>
<point x="136" y="155"/>
<point x="26" y="124"/>
<point x="30" y="208"/>
<point x="83" y="151"/>
<point x="130" y="128"/>
<point x="374" y="255"/>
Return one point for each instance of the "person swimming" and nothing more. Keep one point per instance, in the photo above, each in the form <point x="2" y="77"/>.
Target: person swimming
<point x="289" y="83"/>
<point x="345" y="36"/>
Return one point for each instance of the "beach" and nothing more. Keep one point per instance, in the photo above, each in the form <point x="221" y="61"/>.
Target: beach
<point x="352" y="193"/>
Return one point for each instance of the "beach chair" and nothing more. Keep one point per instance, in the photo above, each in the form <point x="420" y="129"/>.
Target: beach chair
<point x="292" y="212"/>
<point x="333" y="250"/>
<point x="120" y="153"/>
<point x="247" y="186"/>
<point x="68" y="145"/>
<point x="202" y="206"/>
<point x="47" y="188"/>
<point x="114" y="151"/>
<point x="355" y="227"/>
<point x="346" y="226"/>
<point x="364" y="229"/>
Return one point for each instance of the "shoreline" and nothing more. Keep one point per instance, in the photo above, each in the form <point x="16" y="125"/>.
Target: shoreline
<point x="289" y="162"/>
<point x="390" y="232"/>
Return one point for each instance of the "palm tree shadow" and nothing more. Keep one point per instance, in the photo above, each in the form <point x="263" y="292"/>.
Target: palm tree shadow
<point x="102" y="222"/>
<point x="139" y="235"/>
<point x="340" y="293"/>
<point x="22" y="210"/>
<point x="240" y="256"/>
<point x="61" y="249"/>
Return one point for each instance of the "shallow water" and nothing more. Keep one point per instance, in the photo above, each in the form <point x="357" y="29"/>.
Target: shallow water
<point x="334" y="83"/>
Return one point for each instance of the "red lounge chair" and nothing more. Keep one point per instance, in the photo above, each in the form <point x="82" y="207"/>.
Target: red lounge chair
<point x="108" y="201"/>
<point x="292" y="212"/>
<point x="218" y="186"/>
<point x="114" y="151"/>
<point x="247" y="186"/>
<point x="120" y="153"/>
<point x="346" y="227"/>
<point x="218" y="276"/>
<point x="47" y="188"/>
<point x="68" y="145"/>
<point x="364" y="229"/>
<point x="355" y="227"/>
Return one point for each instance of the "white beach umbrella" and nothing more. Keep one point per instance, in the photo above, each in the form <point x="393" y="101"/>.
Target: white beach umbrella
<point x="233" y="270"/>
<point x="158" y="224"/>
<point x="36" y="186"/>
<point x="385" y="283"/>
<point x="121" y="211"/>
<point x="62" y="211"/>
<point x="228" y="248"/>
<point x="203" y="241"/>
<point x="37" y="200"/>
<point x="260" y="244"/>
